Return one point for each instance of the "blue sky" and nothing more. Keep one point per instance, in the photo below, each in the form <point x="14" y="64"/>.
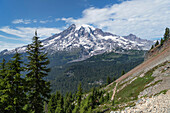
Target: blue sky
<point x="19" y="18"/>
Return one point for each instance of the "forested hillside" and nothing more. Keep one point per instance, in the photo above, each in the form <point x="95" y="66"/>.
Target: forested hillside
<point x="93" y="71"/>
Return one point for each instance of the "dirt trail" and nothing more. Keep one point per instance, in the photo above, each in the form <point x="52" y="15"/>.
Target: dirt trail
<point x="114" y="91"/>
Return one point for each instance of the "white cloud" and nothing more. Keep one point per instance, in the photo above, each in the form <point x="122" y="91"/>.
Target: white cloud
<point x="11" y="38"/>
<point x="45" y="21"/>
<point x="34" y="21"/>
<point x="57" y="19"/>
<point x="9" y="46"/>
<point x="26" y="33"/>
<point x="19" y="21"/>
<point x="145" y="18"/>
<point x="29" y="21"/>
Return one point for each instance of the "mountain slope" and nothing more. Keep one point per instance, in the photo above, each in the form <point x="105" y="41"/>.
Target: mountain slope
<point x="144" y="88"/>
<point x="93" y="71"/>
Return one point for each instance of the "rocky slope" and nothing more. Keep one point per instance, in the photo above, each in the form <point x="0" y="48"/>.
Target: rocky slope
<point x="155" y="104"/>
<point x="146" y="88"/>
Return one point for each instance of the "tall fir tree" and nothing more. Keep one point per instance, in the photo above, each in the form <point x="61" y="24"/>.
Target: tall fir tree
<point x="8" y="90"/>
<point x="14" y="95"/>
<point x="39" y="88"/>
<point x="20" y="83"/>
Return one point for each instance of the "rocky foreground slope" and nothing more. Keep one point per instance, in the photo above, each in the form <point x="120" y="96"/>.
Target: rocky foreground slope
<point x="145" y="88"/>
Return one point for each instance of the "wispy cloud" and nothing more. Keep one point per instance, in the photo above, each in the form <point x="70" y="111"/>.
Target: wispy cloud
<point x="19" y="21"/>
<point x="57" y="19"/>
<point x="26" y="33"/>
<point x="29" y="21"/>
<point x="145" y="18"/>
<point x="9" y="46"/>
<point x="45" y="21"/>
<point x="11" y="38"/>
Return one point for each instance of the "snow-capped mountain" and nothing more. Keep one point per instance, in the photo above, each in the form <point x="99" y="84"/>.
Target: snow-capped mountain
<point x="92" y="40"/>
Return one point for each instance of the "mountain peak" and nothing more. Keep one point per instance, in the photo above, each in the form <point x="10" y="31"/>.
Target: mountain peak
<point x="73" y="26"/>
<point x="92" y="40"/>
<point x="131" y="34"/>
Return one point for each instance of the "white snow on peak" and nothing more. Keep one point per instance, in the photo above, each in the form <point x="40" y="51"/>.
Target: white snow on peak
<point x="93" y="41"/>
<point x="87" y="27"/>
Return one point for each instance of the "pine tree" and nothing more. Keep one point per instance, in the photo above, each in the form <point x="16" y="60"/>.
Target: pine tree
<point x="14" y="95"/>
<point x="162" y="41"/>
<point x="79" y="95"/>
<point x="39" y="89"/>
<point x="157" y="43"/>
<point x="60" y="104"/>
<point x="167" y="34"/>
<point x="152" y="47"/>
<point x="68" y="103"/>
<point x="19" y="83"/>
<point x="3" y="98"/>
<point x="2" y="69"/>
<point x="52" y="104"/>
<point x="123" y="72"/>
<point x="8" y="90"/>
<point x="108" y="80"/>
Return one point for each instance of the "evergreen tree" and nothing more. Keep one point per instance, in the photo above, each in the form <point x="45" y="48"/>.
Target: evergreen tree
<point x="2" y="69"/>
<point x="108" y="80"/>
<point x="13" y="96"/>
<point x="3" y="98"/>
<point x="7" y="90"/>
<point x="152" y="47"/>
<point x="167" y="34"/>
<point x="123" y="72"/>
<point x="60" y="104"/>
<point x="157" y="43"/>
<point x="52" y="104"/>
<point x="39" y="89"/>
<point x="19" y="84"/>
<point x="162" y="41"/>
<point x="68" y="103"/>
<point x="79" y="95"/>
<point x="59" y="108"/>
